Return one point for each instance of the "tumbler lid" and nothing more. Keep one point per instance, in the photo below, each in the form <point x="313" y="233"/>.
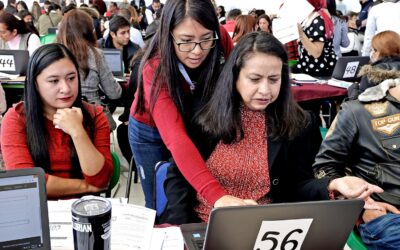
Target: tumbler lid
<point x="91" y="206"/>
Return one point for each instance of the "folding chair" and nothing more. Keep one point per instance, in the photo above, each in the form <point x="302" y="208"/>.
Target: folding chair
<point x="160" y="199"/>
<point x="115" y="176"/>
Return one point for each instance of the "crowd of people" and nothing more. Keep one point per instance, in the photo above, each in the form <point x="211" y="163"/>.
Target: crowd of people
<point x="210" y="90"/>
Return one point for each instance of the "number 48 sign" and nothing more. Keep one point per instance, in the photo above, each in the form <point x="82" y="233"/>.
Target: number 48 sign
<point x="282" y="234"/>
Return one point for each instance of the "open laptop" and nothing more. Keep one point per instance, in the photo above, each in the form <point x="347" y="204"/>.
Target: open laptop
<point x="14" y="62"/>
<point x="347" y="68"/>
<point x="24" y="222"/>
<point x="308" y="225"/>
<point x="114" y="61"/>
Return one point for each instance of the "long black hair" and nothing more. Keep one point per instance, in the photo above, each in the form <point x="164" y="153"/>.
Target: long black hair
<point x="37" y="135"/>
<point x="220" y="117"/>
<point x="167" y="73"/>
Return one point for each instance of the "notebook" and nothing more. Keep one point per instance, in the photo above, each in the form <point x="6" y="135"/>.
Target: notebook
<point x="347" y="67"/>
<point x="24" y="222"/>
<point x="306" y="225"/>
<point x="114" y="61"/>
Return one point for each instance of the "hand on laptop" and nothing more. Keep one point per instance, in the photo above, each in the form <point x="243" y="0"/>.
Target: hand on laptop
<point x="229" y="200"/>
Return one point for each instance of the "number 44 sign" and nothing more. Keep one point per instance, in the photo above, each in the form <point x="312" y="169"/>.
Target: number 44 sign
<point x="282" y="234"/>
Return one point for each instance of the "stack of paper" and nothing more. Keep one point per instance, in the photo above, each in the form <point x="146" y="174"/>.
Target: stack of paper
<point x="131" y="227"/>
<point x="303" y="78"/>
<point x="339" y="83"/>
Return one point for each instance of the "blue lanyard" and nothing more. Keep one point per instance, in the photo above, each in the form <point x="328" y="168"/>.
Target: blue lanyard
<point x="186" y="76"/>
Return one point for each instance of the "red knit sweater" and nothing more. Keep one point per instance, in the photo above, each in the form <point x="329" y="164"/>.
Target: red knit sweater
<point x="241" y="167"/>
<point x="16" y="154"/>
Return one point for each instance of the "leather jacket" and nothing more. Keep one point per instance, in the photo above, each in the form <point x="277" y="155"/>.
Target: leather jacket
<point x="364" y="140"/>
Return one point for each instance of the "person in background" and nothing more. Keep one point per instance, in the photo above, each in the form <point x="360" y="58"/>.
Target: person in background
<point x="264" y="23"/>
<point x="1" y="7"/>
<point x="76" y="33"/>
<point x="153" y="11"/>
<point x="340" y="38"/>
<point x="21" y="5"/>
<point x="257" y="142"/>
<point x="354" y="48"/>
<point x="178" y="71"/>
<point x="221" y="14"/>
<point x="231" y="20"/>
<point x="53" y="129"/>
<point x="244" y="24"/>
<point x="15" y="35"/>
<point x="36" y="11"/>
<point x="342" y="7"/>
<point x="50" y="19"/>
<point x="119" y="38"/>
<point x="94" y="14"/>
<point x="385" y="57"/>
<point x="135" y="35"/>
<point x="113" y="8"/>
<point x="101" y="6"/>
<point x="384" y="16"/>
<point x="317" y="55"/>
<point x="363" y="140"/>
<point x="363" y="14"/>
<point x="27" y="17"/>
<point x="11" y="7"/>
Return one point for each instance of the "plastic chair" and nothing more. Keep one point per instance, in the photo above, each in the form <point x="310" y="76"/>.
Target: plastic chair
<point x="355" y="242"/>
<point x="116" y="173"/>
<point x="132" y="168"/>
<point x="49" y="38"/>
<point x="160" y="175"/>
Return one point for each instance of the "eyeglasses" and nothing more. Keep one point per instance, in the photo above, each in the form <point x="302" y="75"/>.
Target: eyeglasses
<point x="189" y="46"/>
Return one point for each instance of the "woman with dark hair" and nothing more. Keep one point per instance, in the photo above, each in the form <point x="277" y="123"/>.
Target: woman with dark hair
<point x="27" y="17"/>
<point x="317" y="56"/>
<point x="15" y="35"/>
<point x="340" y="31"/>
<point x="221" y="14"/>
<point x="77" y="34"/>
<point x="257" y="142"/>
<point x="187" y="45"/>
<point x="244" y="24"/>
<point x="264" y="23"/>
<point x="21" y="5"/>
<point x="36" y="11"/>
<point x="53" y="129"/>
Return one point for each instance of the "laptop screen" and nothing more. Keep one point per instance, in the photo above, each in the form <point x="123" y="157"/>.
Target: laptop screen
<point x="114" y="61"/>
<point x="21" y="216"/>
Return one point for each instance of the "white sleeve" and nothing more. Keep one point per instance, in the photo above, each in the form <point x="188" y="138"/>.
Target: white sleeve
<point x="149" y="16"/>
<point x="136" y="37"/>
<point x="370" y="31"/>
<point x="33" y="43"/>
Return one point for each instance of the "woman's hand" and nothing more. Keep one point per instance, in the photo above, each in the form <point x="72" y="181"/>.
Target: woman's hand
<point x="69" y="120"/>
<point x="384" y="208"/>
<point x="229" y="200"/>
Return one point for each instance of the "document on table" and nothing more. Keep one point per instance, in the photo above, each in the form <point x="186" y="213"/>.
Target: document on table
<point x="131" y="226"/>
<point x="168" y="238"/>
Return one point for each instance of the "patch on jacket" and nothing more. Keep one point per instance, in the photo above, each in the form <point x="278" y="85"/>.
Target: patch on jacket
<point x="377" y="108"/>
<point x="387" y="125"/>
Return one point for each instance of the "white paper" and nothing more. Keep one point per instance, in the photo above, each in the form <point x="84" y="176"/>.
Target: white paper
<point x="169" y="238"/>
<point x="131" y="226"/>
<point x="295" y="10"/>
<point x="351" y="69"/>
<point x="285" y="29"/>
<point x="303" y="77"/>
<point x="282" y="234"/>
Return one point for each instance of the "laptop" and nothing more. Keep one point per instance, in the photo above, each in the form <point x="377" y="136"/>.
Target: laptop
<point x="347" y="67"/>
<point x="306" y="225"/>
<point x="14" y="62"/>
<point x="52" y="30"/>
<point x="24" y="222"/>
<point x="114" y="61"/>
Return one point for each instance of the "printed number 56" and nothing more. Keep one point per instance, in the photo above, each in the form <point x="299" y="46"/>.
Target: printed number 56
<point x="285" y="240"/>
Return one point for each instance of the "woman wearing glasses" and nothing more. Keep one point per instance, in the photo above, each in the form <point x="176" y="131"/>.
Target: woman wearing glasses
<point x="179" y="68"/>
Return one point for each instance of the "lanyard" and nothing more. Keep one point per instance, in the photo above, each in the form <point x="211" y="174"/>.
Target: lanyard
<point x="186" y="76"/>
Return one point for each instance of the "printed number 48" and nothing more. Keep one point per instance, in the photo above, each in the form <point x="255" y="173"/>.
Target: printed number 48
<point x="270" y="236"/>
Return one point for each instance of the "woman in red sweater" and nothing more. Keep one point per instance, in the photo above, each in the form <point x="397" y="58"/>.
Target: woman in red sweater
<point x="179" y="70"/>
<point x="53" y="129"/>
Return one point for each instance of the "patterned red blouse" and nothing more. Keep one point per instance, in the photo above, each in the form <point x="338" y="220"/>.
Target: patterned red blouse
<point x="241" y="167"/>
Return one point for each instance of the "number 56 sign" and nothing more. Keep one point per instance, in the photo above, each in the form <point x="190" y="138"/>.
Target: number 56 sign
<point x="282" y="234"/>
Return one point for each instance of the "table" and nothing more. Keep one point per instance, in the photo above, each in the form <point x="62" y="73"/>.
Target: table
<point x="312" y="92"/>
